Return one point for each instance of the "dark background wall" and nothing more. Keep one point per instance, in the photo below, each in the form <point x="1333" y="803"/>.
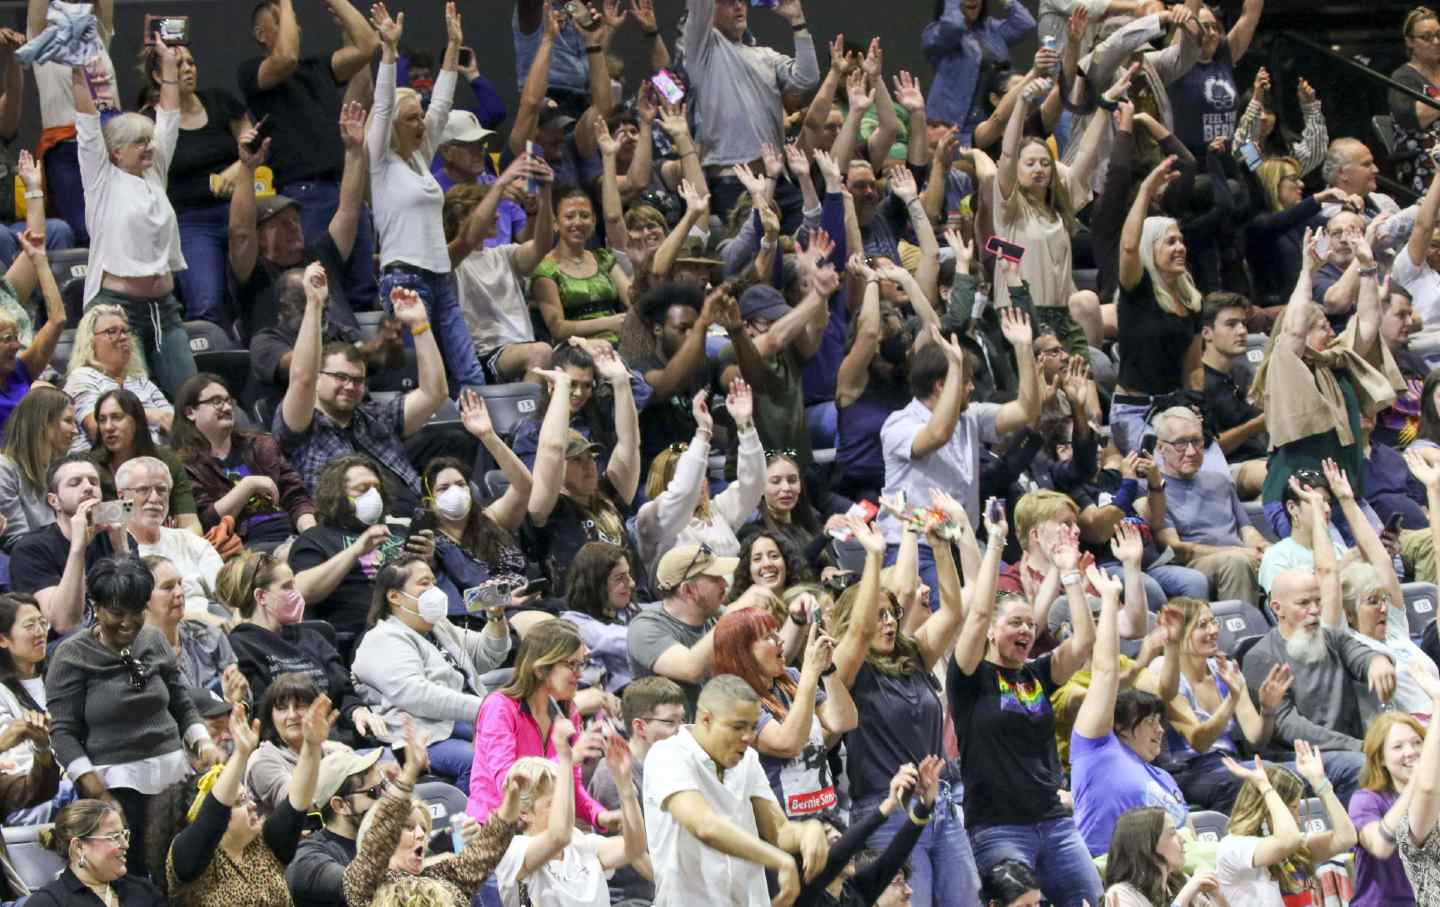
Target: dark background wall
<point x="221" y="36"/>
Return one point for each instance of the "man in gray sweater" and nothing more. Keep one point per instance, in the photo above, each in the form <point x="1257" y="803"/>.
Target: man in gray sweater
<point x="740" y="90"/>
<point x="1321" y="706"/>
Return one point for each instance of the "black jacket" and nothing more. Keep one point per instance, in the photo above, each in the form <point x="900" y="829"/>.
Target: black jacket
<point x="317" y="874"/>
<point x="69" y="891"/>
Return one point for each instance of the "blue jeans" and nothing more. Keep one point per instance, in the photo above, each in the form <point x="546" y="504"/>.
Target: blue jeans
<point x="159" y="333"/>
<point x="64" y="189"/>
<point x="1054" y="849"/>
<point x="58" y="235"/>
<point x="205" y="242"/>
<point x="452" y="759"/>
<point x="462" y="366"/>
<point x="1166" y="582"/>
<point x="1342" y="769"/>
<point x="927" y="570"/>
<point x="318" y="202"/>
<point x="942" y="866"/>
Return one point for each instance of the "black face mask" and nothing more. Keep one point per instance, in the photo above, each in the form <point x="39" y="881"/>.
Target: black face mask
<point x="895" y="348"/>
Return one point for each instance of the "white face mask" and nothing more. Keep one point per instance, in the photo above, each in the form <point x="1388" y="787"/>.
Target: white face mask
<point x="432" y="605"/>
<point x="369" y="507"/>
<point x="454" y="502"/>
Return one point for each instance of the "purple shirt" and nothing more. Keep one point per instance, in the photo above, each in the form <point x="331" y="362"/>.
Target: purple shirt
<point x="1378" y="883"/>
<point x="509" y="217"/>
<point x="16" y="386"/>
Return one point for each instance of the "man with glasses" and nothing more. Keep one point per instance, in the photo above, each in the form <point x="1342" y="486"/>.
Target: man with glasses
<point x="324" y="415"/>
<point x="50" y="563"/>
<point x="677" y="640"/>
<point x="1205" y="523"/>
<point x="652" y="709"/>
<point x="349" y="784"/>
<point x="145" y="481"/>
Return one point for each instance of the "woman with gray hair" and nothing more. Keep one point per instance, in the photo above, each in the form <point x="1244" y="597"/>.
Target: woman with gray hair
<point x="134" y="236"/>
<point x="1158" y="315"/>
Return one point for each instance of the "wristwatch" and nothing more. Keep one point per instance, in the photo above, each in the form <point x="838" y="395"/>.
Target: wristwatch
<point x="1072" y="578"/>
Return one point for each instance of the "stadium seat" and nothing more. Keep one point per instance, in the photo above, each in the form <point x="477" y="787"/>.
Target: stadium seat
<point x="64" y="348"/>
<point x="510" y="404"/>
<point x="1312" y="816"/>
<point x="1384" y="126"/>
<point x="1256" y="511"/>
<point x="369" y="323"/>
<point x="1087" y="279"/>
<point x="1420" y="601"/>
<point x="1238" y="620"/>
<point x="443" y="800"/>
<point x="849" y="555"/>
<point x="70" y="266"/>
<point x="495" y="484"/>
<point x="208" y="337"/>
<point x="232" y="365"/>
<point x="37" y="866"/>
<point x="1255" y="348"/>
<point x="323" y="627"/>
<point x="1209" y="825"/>
<point x="1242" y="647"/>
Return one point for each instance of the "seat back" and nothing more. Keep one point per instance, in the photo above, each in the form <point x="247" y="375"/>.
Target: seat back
<point x="510" y="404"/>
<point x="1313" y="818"/>
<point x="37" y="866"/>
<point x="369" y="323"/>
<point x="208" y="337"/>
<point x="1209" y="825"/>
<point x="849" y="555"/>
<point x="495" y="484"/>
<point x="1384" y="126"/>
<point x="64" y="349"/>
<point x="1255" y="510"/>
<point x="1420" y="601"/>
<point x="1238" y="619"/>
<point x="1243" y="647"/>
<point x="232" y="365"/>
<point x="70" y="267"/>
<point x="324" y="628"/>
<point x="443" y="800"/>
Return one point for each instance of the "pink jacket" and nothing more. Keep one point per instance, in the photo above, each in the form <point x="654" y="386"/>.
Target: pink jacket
<point x="505" y="731"/>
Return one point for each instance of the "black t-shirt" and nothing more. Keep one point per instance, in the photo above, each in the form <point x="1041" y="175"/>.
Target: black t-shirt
<point x="554" y="545"/>
<point x="1228" y="408"/>
<point x="255" y="300"/>
<point x="664" y="420"/>
<point x="901" y="720"/>
<point x="205" y="151"/>
<point x="1153" y="342"/>
<point x="1007" y="742"/>
<point x="303" y="110"/>
<point x="38" y="559"/>
<point x="347" y="606"/>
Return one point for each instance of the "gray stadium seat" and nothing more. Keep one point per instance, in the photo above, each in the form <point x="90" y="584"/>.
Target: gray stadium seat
<point x="496" y="484"/>
<point x="1209" y="825"/>
<point x="1420" y="602"/>
<point x="510" y="404"/>
<point x="369" y="323"/>
<point x="36" y="865"/>
<point x="1312" y="816"/>
<point x="443" y="800"/>
<point x="849" y="555"/>
<point x="1256" y="511"/>
<point x="1238" y="620"/>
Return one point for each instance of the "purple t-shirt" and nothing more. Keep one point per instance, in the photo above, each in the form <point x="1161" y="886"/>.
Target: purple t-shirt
<point x="14" y="388"/>
<point x="1109" y="779"/>
<point x="1378" y="883"/>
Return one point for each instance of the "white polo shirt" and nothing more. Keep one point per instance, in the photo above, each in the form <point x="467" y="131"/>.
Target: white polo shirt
<point x="687" y="873"/>
<point x="1423" y="285"/>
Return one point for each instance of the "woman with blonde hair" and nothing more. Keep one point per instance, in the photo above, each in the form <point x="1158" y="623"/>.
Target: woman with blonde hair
<point x="517" y="719"/>
<point x="24" y="351"/>
<point x="40" y="430"/>
<point x="1264" y="859"/>
<point x="1417" y="124"/>
<point x="1381" y="806"/>
<point x="134" y="235"/>
<point x="395" y="834"/>
<point x="1275" y="238"/>
<point x="680" y="510"/>
<point x="106" y="359"/>
<point x="401" y="139"/>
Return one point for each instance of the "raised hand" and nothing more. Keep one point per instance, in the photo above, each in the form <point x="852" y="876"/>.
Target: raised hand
<point x="964" y="250"/>
<point x="1161" y="176"/>
<point x="1015" y="325"/>
<point x="474" y="415"/>
<point x="824" y="280"/>
<point x="902" y="183"/>
<point x="908" y="93"/>
<point x="1104" y="583"/>
<point x="828" y="168"/>
<point x="614" y="15"/>
<point x="753" y="182"/>
<point x="1246" y="773"/>
<point x="858" y="90"/>
<point x="454" y="30"/>
<point x="30" y="172"/>
<point x="672" y="120"/>
<point x="1079" y="21"/>
<point x="1076" y="380"/>
<point x="607" y="144"/>
<point x="316" y="283"/>
<point x="408" y="307"/>
<point x="873" y="64"/>
<point x="774" y="163"/>
<point x="904" y="780"/>
<point x="796" y="160"/>
<point x="1305" y="92"/>
<point x="740" y="403"/>
<point x="1231" y="674"/>
<point x="1127" y="544"/>
<point x="1339" y="482"/>
<point x="390" y="30"/>
<point x="700" y="410"/>
<point x="871" y="540"/>
<point x="609" y="365"/>
<point x="320" y="717"/>
<point x="1309" y="764"/>
<point x="245" y="733"/>
<point x="1277" y="684"/>
<point x="644" y="13"/>
<point x="696" y="200"/>
<point x="352" y="126"/>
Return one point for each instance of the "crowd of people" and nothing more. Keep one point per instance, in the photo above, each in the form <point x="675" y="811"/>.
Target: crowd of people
<point x="999" y="491"/>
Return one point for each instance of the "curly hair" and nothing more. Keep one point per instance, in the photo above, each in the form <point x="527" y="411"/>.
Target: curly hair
<point x="332" y="504"/>
<point x="796" y="569"/>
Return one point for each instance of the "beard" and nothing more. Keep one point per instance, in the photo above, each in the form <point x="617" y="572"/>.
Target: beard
<point x="1307" y="646"/>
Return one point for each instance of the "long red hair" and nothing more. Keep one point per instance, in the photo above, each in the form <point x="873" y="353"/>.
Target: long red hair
<point x="734" y="635"/>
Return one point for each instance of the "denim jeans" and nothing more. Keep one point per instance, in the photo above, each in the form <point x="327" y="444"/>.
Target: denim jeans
<point x="58" y="235"/>
<point x="942" y="866"/>
<point x="159" y="333"/>
<point x="318" y="202"/>
<point x="451" y="758"/>
<point x="1166" y="582"/>
<point x="1054" y="849"/>
<point x="64" y="190"/>
<point x="1342" y="769"/>
<point x="462" y="365"/>
<point x="205" y="242"/>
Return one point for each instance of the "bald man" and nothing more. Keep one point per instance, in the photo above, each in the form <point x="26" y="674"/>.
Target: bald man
<point x="1321" y="706"/>
<point x="1350" y="167"/>
<point x="712" y="820"/>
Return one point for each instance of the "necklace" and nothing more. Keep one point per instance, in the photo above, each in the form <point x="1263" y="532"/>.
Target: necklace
<point x="106" y="894"/>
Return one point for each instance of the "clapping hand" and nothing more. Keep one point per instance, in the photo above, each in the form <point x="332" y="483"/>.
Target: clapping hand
<point x="320" y="717"/>
<point x="1128" y="545"/>
<point x="245" y="734"/>
<point x="408" y="307"/>
<point x="474" y="414"/>
<point x="1277" y="684"/>
<point x="389" y="30"/>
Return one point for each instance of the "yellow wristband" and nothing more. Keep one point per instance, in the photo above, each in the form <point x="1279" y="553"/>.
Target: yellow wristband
<point x="419" y="329"/>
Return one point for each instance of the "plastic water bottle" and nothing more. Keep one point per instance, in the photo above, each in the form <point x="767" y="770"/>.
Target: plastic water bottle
<point x="457" y="836"/>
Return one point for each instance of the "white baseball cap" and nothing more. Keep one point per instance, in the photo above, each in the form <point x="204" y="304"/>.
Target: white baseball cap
<point x="464" y="126"/>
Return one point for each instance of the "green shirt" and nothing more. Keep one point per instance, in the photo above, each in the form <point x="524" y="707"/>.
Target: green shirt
<point x="1312" y="451"/>
<point x="587" y="298"/>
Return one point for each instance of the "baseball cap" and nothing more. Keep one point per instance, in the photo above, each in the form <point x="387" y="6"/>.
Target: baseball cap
<point x="336" y="767"/>
<point x="464" y="126"/>
<point x="207" y="703"/>
<point x="267" y="208"/>
<point x="693" y="252"/>
<point x="553" y="116"/>
<point x="689" y="561"/>
<point x="763" y="301"/>
<point x="577" y="444"/>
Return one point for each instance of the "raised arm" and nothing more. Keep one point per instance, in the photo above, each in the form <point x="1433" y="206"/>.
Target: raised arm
<point x="549" y="471"/>
<point x="1424" y="786"/>
<point x="854" y="374"/>
<point x="1243" y="31"/>
<point x="1097" y="715"/>
<point x="937" y="634"/>
<point x="353" y="179"/>
<point x="537" y="83"/>
<point x="1024" y="410"/>
<point x="297" y="407"/>
<point x="943" y="418"/>
<point x="887" y="124"/>
<point x="243" y="248"/>
<point x="854" y="645"/>
<point x="509" y="511"/>
<point x="37" y="355"/>
<point x="550" y="843"/>
<point x="433" y="389"/>
<point x="1131" y="268"/>
<point x="623" y="470"/>
<point x="974" y="632"/>
<point x="360" y="43"/>
<point x="1284" y="839"/>
<point x="860" y="95"/>
<point x="284" y="56"/>
<point x="1072" y="654"/>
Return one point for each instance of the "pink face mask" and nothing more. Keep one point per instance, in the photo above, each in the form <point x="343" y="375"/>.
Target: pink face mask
<point x="291" y="609"/>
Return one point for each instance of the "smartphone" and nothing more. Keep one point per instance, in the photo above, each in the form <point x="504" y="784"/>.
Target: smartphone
<point x="108" y="513"/>
<point x="668" y="87"/>
<point x="1250" y="155"/>
<point x="173" y="30"/>
<point x="1147" y="444"/>
<point x="1003" y="248"/>
<point x="541" y="586"/>
<point x="263" y="130"/>
<point x="994" y="511"/>
<point x="1392" y="525"/>
<point x="467" y="58"/>
<point x="532" y="149"/>
<point x="580" y="13"/>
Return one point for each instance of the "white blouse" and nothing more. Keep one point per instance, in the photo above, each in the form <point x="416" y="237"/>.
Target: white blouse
<point x="133" y="231"/>
<point x="407" y="200"/>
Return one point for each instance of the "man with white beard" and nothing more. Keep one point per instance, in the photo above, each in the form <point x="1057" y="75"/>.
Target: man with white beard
<point x="1321" y="706"/>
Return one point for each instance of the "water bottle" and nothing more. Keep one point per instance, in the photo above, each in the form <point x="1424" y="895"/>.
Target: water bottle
<point x="457" y="836"/>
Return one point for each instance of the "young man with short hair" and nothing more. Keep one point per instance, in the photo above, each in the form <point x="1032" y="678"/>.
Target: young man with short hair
<point x="677" y="640"/>
<point x="1239" y="426"/>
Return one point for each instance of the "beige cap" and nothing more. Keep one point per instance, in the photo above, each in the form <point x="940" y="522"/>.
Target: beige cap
<point x="336" y="767"/>
<point x="689" y="561"/>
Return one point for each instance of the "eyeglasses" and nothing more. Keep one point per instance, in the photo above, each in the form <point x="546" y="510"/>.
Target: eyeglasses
<point x="1187" y="443"/>
<point x="788" y="453"/>
<point x="217" y="402"/>
<point x="119" y="838"/>
<point x="1429" y="37"/>
<point x="137" y="673"/>
<point x="113" y="334"/>
<point x="345" y="378"/>
<point x="1053" y="351"/>
<point x="576" y="665"/>
<point x="144" y="491"/>
<point x="1208" y="623"/>
<point x="668" y="722"/>
<point x="39" y="623"/>
<point x="887" y="615"/>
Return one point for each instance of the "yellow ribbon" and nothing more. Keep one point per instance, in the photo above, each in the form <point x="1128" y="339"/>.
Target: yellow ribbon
<point x="202" y="787"/>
